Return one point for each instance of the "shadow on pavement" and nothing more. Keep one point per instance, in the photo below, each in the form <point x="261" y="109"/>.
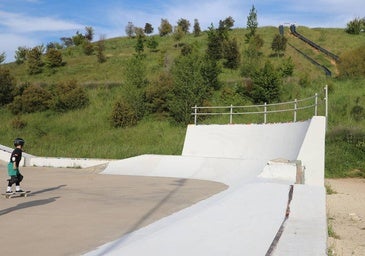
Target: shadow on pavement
<point x="46" y="190"/>
<point x="28" y="204"/>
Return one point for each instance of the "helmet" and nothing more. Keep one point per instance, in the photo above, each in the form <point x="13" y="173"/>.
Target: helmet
<point x="19" y="141"/>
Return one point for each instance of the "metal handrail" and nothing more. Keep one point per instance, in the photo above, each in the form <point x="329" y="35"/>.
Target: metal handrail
<point x="294" y="109"/>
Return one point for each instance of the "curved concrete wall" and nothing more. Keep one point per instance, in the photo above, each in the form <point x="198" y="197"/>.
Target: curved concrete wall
<point x="264" y="141"/>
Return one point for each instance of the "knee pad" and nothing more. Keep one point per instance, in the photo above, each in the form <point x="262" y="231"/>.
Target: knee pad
<point x="13" y="179"/>
<point x="20" y="177"/>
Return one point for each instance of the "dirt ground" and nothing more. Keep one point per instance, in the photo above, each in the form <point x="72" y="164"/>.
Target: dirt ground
<point x="346" y="217"/>
<point x="73" y="211"/>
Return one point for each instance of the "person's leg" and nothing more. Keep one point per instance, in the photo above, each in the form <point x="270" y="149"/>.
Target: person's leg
<point x="12" y="180"/>
<point x="19" y="178"/>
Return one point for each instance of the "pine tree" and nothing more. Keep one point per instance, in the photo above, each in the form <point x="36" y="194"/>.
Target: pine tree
<point x="252" y="24"/>
<point x="197" y="29"/>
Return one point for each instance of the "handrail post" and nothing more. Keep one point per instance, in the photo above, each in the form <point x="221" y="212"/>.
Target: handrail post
<point x="316" y="104"/>
<point x="265" y="113"/>
<point x="230" y="114"/>
<point x="295" y="110"/>
<point x="326" y="103"/>
<point x="195" y="114"/>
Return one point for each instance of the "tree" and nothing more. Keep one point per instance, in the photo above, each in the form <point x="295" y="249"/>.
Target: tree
<point x="278" y="44"/>
<point x="34" y="61"/>
<point x="87" y="48"/>
<point x="100" y="48"/>
<point x="184" y="24"/>
<point x="228" y="23"/>
<point x="157" y="93"/>
<point x="215" y="44"/>
<point x="53" y="58"/>
<point x="21" y="55"/>
<point x="129" y="29"/>
<point x="287" y="67"/>
<point x="139" y="32"/>
<point x="266" y="84"/>
<point x="197" y="29"/>
<point x="148" y="29"/>
<point x="178" y="33"/>
<point x="67" y="41"/>
<point x="89" y="35"/>
<point x="252" y="24"/>
<point x="139" y="47"/>
<point x="231" y="54"/>
<point x="131" y="107"/>
<point x="252" y="56"/>
<point x="165" y="28"/>
<point x="210" y="71"/>
<point x="188" y="87"/>
<point x="151" y="43"/>
<point x="2" y="57"/>
<point x="54" y="45"/>
<point x="78" y="39"/>
<point x="7" y="82"/>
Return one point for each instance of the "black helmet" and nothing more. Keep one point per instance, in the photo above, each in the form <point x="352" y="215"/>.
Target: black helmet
<point x="19" y="141"/>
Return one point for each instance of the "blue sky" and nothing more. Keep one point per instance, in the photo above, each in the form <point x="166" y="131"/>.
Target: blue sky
<point x="33" y="22"/>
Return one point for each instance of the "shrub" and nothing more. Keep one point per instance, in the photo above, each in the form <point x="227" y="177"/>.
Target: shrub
<point x="352" y="63"/>
<point x="68" y="96"/>
<point x="34" y="98"/>
<point x="100" y="48"/>
<point x="354" y="26"/>
<point x="21" y="55"/>
<point x="266" y="84"/>
<point x="123" y="114"/>
<point x="287" y="68"/>
<point x="358" y="113"/>
<point x="231" y="54"/>
<point x="157" y="94"/>
<point x="53" y="58"/>
<point x="18" y="123"/>
<point x="7" y="82"/>
<point x="87" y="48"/>
<point x="34" y="61"/>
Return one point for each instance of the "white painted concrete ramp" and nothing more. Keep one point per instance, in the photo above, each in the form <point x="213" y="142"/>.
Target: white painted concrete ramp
<point x="245" y="218"/>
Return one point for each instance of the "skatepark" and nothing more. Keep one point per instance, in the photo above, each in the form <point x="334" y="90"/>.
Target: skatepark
<point x="253" y="189"/>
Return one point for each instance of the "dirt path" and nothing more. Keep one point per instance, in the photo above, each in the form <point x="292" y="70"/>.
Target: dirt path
<point x="346" y="215"/>
<point x="72" y="211"/>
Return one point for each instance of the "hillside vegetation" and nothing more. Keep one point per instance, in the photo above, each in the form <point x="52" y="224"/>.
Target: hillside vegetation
<point x="88" y="132"/>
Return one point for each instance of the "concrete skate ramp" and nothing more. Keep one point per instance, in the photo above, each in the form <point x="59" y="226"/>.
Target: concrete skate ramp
<point x="261" y="213"/>
<point x="224" y="153"/>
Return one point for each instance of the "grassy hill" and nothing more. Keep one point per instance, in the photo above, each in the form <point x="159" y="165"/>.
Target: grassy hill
<point x="87" y="132"/>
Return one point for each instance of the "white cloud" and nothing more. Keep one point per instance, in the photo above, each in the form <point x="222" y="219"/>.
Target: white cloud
<point x="12" y="42"/>
<point x="19" y="23"/>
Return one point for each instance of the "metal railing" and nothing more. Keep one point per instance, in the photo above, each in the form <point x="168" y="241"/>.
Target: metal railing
<point x="265" y="109"/>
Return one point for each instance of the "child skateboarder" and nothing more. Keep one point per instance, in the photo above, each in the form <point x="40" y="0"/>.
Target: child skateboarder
<point x="13" y="166"/>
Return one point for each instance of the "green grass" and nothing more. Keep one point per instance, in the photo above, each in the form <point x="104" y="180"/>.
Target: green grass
<point x="88" y="133"/>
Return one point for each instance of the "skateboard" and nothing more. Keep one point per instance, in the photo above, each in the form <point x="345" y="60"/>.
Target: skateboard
<point x="16" y="194"/>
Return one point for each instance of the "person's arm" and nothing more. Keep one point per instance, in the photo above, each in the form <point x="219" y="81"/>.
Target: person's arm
<point x="14" y="162"/>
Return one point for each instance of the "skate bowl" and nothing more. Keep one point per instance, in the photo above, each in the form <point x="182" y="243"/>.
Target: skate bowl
<point x="274" y="204"/>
